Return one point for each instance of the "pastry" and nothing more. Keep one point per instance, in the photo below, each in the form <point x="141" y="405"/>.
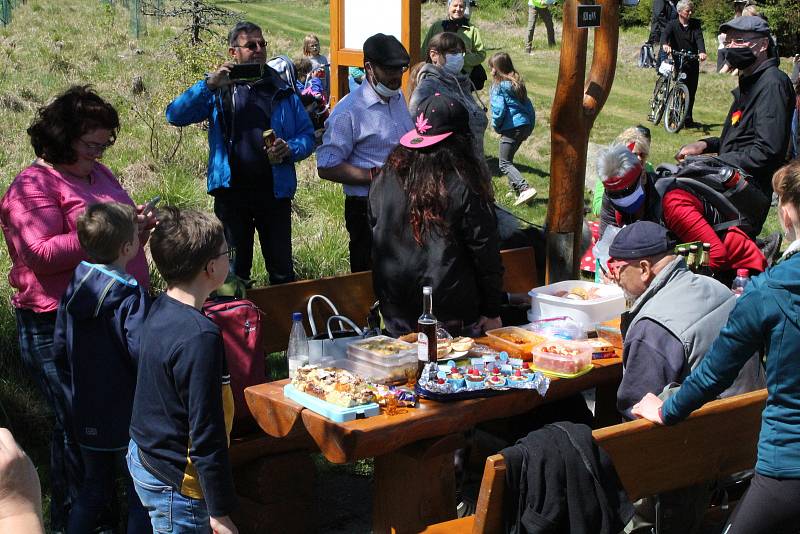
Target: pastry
<point x="337" y="386"/>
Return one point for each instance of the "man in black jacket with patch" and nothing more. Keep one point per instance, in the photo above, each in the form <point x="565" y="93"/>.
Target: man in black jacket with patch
<point x="756" y="132"/>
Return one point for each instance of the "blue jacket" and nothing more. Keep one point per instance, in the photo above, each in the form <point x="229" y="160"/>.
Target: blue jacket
<point x="289" y="120"/>
<point x="96" y="347"/>
<point x="508" y="111"/>
<point x="767" y="314"/>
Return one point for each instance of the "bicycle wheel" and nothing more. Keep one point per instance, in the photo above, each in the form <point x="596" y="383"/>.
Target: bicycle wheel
<point x="658" y="100"/>
<point x="677" y="108"/>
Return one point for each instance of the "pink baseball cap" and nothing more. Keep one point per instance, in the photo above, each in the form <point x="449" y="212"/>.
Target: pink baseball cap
<point x="439" y="116"/>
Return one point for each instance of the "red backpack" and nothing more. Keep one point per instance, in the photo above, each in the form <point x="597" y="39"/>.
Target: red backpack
<point x="239" y="320"/>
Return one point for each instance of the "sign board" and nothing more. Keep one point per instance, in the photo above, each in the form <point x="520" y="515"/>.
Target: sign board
<point x="363" y="18"/>
<point x="353" y="21"/>
<point x="588" y="16"/>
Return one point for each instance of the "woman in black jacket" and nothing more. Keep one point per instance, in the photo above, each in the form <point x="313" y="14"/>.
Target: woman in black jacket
<point x="433" y="224"/>
<point x="685" y="33"/>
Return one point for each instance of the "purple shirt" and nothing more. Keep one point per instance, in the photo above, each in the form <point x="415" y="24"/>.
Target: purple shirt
<point x="363" y="130"/>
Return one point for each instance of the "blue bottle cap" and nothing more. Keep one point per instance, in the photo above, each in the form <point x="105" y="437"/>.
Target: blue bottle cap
<point x="297" y="316"/>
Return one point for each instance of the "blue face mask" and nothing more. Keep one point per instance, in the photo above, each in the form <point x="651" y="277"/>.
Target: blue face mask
<point x="633" y="202"/>
<point x="454" y="63"/>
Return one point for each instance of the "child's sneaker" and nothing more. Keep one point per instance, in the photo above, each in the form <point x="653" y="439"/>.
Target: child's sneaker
<point x="526" y="196"/>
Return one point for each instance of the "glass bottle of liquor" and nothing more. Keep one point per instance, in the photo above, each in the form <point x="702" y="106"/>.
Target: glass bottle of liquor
<point x="426" y="328"/>
<point x="683" y="252"/>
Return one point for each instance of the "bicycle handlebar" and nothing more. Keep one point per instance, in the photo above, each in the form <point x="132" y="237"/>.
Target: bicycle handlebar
<point x="685" y="54"/>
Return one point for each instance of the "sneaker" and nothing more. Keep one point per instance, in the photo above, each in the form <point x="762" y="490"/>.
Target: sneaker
<point x="526" y="196"/>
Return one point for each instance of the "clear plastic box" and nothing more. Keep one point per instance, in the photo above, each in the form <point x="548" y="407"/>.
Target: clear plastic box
<point x="609" y="304"/>
<point x="393" y="356"/>
<point x="371" y="373"/>
<point x="515" y="338"/>
<point x="562" y="358"/>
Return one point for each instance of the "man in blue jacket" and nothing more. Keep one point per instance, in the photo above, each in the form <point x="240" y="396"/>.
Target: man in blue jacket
<point x="252" y="185"/>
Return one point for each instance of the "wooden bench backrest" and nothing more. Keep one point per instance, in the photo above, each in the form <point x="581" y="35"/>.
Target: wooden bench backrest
<point x="353" y="295"/>
<point x="717" y="440"/>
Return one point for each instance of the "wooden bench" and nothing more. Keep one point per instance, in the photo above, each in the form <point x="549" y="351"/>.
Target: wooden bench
<point x="717" y="440"/>
<point x="353" y="296"/>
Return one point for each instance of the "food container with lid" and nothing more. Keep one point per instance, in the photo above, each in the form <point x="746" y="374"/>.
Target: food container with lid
<point x="371" y="373"/>
<point x="391" y="355"/>
<point x="515" y="338"/>
<point x="606" y="302"/>
<point x="562" y="358"/>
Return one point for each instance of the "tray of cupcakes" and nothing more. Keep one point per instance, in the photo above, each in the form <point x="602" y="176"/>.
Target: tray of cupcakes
<point x="485" y="376"/>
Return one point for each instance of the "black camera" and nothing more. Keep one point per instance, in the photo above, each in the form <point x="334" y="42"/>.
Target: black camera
<point x="246" y="71"/>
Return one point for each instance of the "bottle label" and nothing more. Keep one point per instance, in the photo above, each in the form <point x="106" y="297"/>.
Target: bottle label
<point x="422" y="347"/>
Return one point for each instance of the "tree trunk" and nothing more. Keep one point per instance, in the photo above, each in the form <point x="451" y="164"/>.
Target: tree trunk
<point x="576" y="105"/>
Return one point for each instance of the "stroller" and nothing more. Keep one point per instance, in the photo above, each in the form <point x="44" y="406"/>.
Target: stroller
<point x="314" y="101"/>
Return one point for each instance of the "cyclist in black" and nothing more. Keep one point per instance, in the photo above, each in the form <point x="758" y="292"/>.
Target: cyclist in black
<point x="685" y="33"/>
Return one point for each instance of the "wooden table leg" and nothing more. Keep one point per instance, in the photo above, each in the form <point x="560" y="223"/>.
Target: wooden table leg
<point x="415" y="486"/>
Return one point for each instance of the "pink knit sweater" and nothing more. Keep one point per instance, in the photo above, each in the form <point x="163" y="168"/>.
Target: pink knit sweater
<point x="38" y="216"/>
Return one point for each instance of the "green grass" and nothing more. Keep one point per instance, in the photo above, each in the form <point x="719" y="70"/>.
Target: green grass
<point x="52" y="44"/>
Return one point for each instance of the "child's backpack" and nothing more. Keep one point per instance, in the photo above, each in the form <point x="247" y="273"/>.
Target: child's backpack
<point x="729" y="199"/>
<point x="239" y="321"/>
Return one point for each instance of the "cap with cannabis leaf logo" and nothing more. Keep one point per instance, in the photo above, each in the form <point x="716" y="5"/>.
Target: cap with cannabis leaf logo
<point x="439" y="116"/>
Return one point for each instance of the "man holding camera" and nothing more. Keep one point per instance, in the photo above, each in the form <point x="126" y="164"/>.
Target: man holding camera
<point x="251" y="172"/>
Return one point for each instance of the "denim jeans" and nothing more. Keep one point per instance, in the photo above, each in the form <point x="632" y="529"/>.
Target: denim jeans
<point x="97" y="493"/>
<point x="169" y="510"/>
<point x="510" y="141"/>
<point x="66" y="471"/>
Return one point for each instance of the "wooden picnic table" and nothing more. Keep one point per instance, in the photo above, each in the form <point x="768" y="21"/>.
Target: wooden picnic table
<point x="413" y="450"/>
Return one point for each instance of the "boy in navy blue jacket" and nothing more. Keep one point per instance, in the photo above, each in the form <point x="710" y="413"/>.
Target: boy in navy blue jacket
<point x="96" y="346"/>
<point x="183" y="408"/>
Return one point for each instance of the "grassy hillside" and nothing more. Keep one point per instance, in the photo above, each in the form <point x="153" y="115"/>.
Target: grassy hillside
<point x="53" y="44"/>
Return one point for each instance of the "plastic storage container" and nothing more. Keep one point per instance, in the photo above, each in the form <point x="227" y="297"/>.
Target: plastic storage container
<point x="609" y="304"/>
<point x="371" y="373"/>
<point x="515" y="338"/>
<point x="395" y="357"/>
<point x="562" y="358"/>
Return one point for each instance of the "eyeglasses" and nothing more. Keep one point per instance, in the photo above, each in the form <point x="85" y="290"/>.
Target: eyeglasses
<point x="387" y="70"/>
<point x="97" y="148"/>
<point x="231" y="253"/>
<point x="253" y="45"/>
<point x="615" y="266"/>
<point x="742" y="40"/>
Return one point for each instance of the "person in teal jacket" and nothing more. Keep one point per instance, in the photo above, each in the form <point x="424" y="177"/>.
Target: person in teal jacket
<point x="252" y="187"/>
<point x="514" y="118"/>
<point x="766" y="315"/>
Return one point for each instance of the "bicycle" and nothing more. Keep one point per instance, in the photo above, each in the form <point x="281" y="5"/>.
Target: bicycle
<point x="670" y="95"/>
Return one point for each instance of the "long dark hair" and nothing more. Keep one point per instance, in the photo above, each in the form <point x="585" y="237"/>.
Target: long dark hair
<point x="422" y="173"/>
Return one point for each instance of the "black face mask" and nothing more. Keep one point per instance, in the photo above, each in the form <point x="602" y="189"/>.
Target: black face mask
<point x="739" y="58"/>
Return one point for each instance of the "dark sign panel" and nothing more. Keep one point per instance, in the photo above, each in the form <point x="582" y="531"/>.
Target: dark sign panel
<point x="588" y="16"/>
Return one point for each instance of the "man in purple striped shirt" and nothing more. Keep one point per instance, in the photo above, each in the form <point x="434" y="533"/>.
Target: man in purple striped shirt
<point x="360" y="134"/>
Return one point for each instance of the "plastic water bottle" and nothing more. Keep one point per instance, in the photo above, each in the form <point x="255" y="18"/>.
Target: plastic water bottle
<point x="297" y="352"/>
<point x="740" y="282"/>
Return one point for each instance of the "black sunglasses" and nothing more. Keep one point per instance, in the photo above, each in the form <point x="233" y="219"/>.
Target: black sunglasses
<point x="253" y="45"/>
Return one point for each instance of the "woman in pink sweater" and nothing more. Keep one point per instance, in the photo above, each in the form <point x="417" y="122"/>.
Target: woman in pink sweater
<point x="38" y="217"/>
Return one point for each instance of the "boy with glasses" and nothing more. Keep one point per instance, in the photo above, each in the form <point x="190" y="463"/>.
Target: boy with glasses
<point x="183" y="407"/>
<point x="252" y="185"/>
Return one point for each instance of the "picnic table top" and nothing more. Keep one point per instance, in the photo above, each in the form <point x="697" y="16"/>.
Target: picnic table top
<point x="382" y="434"/>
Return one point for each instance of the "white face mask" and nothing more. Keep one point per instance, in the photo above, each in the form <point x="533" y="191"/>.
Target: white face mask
<point x="381" y="89"/>
<point x="454" y="63"/>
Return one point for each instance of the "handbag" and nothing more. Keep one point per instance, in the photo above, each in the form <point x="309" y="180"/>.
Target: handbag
<point x="478" y="76"/>
<point x="329" y="344"/>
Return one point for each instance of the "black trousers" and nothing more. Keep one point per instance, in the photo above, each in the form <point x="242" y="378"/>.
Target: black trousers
<point x="770" y="506"/>
<point x="692" y="70"/>
<point x="245" y="211"/>
<point x="357" y="223"/>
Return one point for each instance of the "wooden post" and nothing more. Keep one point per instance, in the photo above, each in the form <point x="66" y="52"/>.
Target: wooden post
<point x="576" y="105"/>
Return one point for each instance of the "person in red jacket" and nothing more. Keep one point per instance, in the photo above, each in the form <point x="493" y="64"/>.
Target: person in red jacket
<point x="687" y="216"/>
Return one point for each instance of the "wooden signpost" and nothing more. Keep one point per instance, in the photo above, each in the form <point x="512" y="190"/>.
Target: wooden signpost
<point x="578" y="101"/>
<point x="352" y="21"/>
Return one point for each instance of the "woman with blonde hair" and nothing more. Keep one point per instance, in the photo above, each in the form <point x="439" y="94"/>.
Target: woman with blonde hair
<point x="514" y="118"/>
<point x="765" y="317"/>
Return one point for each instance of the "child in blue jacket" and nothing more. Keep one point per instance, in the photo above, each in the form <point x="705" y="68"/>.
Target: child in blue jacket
<point x="513" y="117"/>
<point x="96" y="347"/>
